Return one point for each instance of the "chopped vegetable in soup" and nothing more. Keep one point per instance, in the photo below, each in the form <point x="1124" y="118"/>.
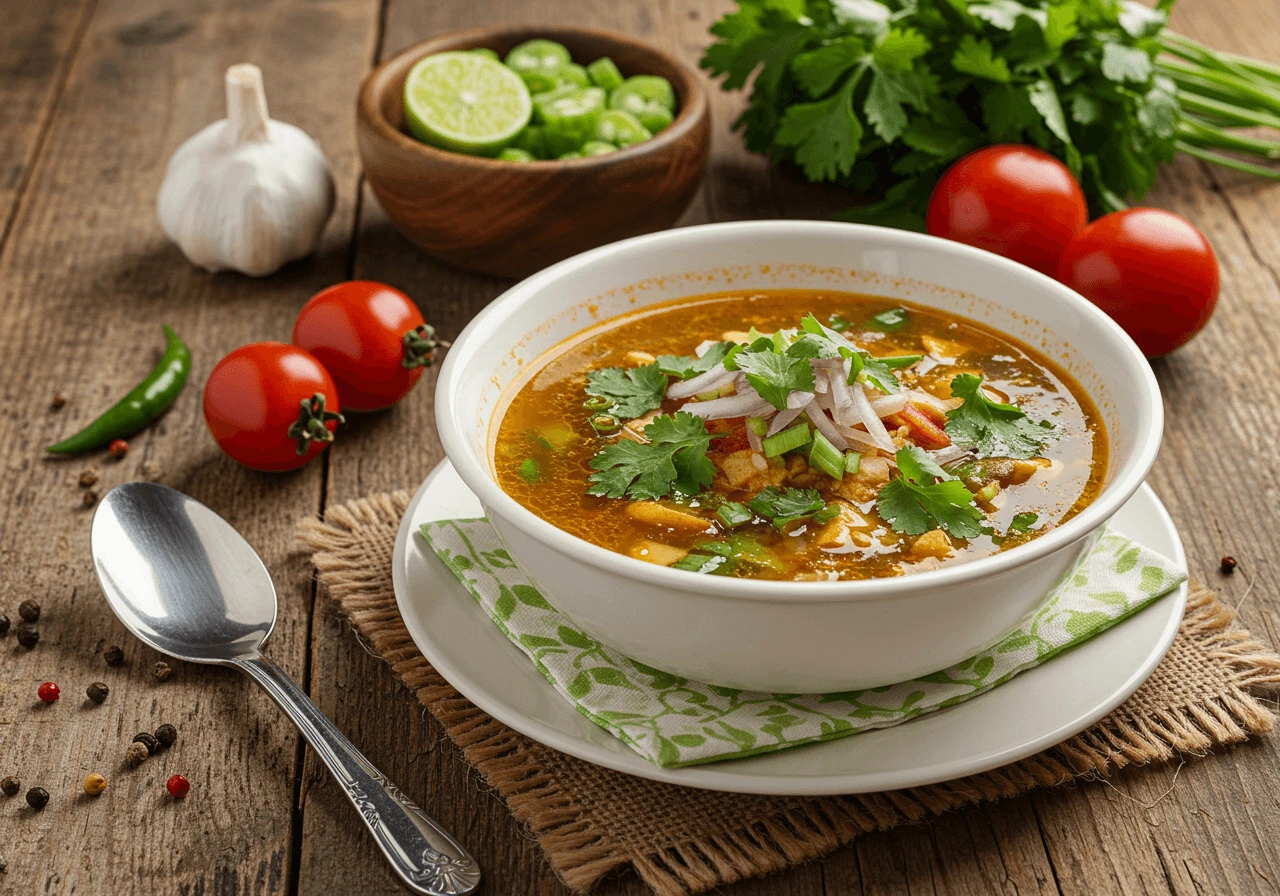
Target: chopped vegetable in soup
<point x="796" y="434"/>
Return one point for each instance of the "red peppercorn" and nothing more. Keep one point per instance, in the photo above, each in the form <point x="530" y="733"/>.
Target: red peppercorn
<point x="118" y="448"/>
<point x="1229" y="565"/>
<point x="48" y="692"/>
<point x="178" y="786"/>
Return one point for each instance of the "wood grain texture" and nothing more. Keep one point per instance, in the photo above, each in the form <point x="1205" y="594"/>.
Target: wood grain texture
<point x="85" y="277"/>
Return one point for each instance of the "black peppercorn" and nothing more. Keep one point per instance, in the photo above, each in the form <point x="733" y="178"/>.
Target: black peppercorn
<point x="161" y="671"/>
<point x="4" y="625"/>
<point x="113" y="655"/>
<point x="28" y="635"/>
<point x="29" y="610"/>
<point x="10" y="786"/>
<point x="37" y="797"/>
<point x="98" y="691"/>
<point x="166" y="734"/>
<point x="147" y="740"/>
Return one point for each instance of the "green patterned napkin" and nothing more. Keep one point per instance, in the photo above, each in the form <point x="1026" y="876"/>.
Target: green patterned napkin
<point x="673" y="722"/>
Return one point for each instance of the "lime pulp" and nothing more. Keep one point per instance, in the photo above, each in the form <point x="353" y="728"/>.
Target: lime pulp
<point x="465" y="102"/>
<point x="621" y="128"/>
<point x="640" y="91"/>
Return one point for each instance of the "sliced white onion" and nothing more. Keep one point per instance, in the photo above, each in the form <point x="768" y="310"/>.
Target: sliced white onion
<point x="783" y="420"/>
<point x="827" y="363"/>
<point x="842" y="399"/>
<point x="919" y="396"/>
<point x="704" y="382"/>
<point x="747" y="404"/>
<point x="871" y="420"/>
<point x="889" y="405"/>
<point x="799" y="399"/>
<point x="757" y="445"/>
<point x="704" y="347"/>
<point x="820" y="382"/>
<point x="857" y="438"/>
<point x="824" y="401"/>
<point x="822" y="423"/>
<point x="948" y="454"/>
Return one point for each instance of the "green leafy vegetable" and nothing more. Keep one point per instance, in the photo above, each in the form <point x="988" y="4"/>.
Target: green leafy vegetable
<point x="890" y="320"/>
<point x="786" y="505"/>
<point x="925" y="497"/>
<point x="876" y="371"/>
<point x="675" y="459"/>
<point x="992" y="428"/>
<point x="726" y="556"/>
<point x="732" y="514"/>
<point x="775" y="375"/>
<point x="530" y="470"/>
<point x="1022" y="522"/>
<point x="687" y="367"/>
<point x="633" y="391"/>
<point x="883" y="95"/>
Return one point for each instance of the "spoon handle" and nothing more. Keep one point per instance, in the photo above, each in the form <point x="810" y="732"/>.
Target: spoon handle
<point x="429" y="860"/>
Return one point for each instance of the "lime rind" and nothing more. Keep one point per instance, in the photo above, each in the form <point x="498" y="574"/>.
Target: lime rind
<point x="639" y="91"/>
<point x="538" y="55"/>
<point x="621" y="128"/>
<point x="465" y="102"/>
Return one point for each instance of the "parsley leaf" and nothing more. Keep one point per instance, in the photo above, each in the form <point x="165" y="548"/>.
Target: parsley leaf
<point x="687" y="367"/>
<point x="775" y="375"/>
<point x="675" y="459"/>
<point x="634" y="391"/>
<point x="992" y="428"/>
<point x="914" y="502"/>
<point x="786" y="505"/>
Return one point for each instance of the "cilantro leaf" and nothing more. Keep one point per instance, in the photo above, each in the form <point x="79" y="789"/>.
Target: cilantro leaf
<point x="1022" y="522"/>
<point x="687" y="367"/>
<point x="826" y="135"/>
<point x="774" y="375"/>
<point x="1045" y="99"/>
<point x="976" y="57"/>
<point x="992" y="428"/>
<point x="786" y="505"/>
<point x="675" y="459"/>
<point x="914" y="502"/>
<point x="1125" y="63"/>
<point x="818" y="70"/>
<point x="877" y="371"/>
<point x="725" y="556"/>
<point x="633" y="391"/>
<point x="890" y="320"/>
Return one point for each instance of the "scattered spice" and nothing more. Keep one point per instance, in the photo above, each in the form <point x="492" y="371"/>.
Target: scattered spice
<point x="90" y="498"/>
<point x="58" y="402"/>
<point x="147" y="740"/>
<point x="1229" y="565"/>
<point x="178" y="786"/>
<point x="88" y="476"/>
<point x="161" y="671"/>
<point x="48" y="692"/>
<point x="113" y="655"/>
<point x="10" y="786"/>
<point x="137" y="753"/>
<point x="97" y="692"/>
<point x="37" y="797"/>
<point x="166" y="734"/>
<point x="29" y="610"/>
<point x="118" y="448"/>
<point x="94" y="784"/>
<point x="4" y="625"/>
<point x="28" y="635"/>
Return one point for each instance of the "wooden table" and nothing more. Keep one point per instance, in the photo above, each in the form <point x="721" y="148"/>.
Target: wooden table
<point x="94" y="96"/>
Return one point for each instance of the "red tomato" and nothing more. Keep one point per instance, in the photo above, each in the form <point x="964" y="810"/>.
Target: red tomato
<point x="370" y="337"/>
<point x="1015" y="201"/>
<point x="1151" y="270"/>
<point x="253" y="405"/>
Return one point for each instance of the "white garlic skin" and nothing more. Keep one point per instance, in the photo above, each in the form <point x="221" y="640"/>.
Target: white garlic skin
<point x="246" y="193"/>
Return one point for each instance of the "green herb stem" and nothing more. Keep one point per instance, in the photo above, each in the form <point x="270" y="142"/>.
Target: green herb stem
<point x="1201" y="134"/>
<point x="1228" y="162"/>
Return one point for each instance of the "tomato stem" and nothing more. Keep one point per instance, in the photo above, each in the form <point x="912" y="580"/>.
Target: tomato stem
<point x="310" y="427"/>
<point x="420" y="345"/>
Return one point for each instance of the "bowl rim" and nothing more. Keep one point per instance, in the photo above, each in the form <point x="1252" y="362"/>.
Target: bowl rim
<point x="1149" y="429"/>
<point x="691" y="113"/>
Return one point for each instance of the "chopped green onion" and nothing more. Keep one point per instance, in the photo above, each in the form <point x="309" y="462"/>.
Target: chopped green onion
<point x="852" y="462"/>
<point x="897" y="362"/>
<point x="596" y="403"/>
<point x="530" y="470"/>
<point x="889" y="320"/>
<point x="606" y="424"/>
<point x="827" y="514"/>
<point x="732" y="514"/>
<point x="787" y="440"/>
<point x="838" y="323"/>
<point x="758" y="425"/>
<point x="706" y="564"/>
<point x="988" y="492"/>
<point x="826" y="457"/>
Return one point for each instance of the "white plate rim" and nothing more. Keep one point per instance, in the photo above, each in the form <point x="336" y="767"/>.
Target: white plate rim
<point x="720" y="776"/>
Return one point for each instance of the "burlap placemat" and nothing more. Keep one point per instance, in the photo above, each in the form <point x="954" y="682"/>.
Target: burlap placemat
<point x="590" y="821"/>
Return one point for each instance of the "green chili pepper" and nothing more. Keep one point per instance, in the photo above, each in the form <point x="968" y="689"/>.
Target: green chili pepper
<point x="144" y="403"/>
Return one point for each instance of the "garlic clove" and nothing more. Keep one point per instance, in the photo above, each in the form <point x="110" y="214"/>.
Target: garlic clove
<point x="246" y="193"/>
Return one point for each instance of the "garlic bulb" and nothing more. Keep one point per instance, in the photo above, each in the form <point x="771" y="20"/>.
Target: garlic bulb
<point x="246" y="193"/>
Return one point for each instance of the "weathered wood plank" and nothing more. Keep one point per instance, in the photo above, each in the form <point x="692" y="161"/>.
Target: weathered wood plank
<point x="85" y="281"/>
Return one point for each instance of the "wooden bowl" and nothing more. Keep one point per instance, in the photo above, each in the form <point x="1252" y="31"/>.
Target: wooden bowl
<point x="513" y="218"/>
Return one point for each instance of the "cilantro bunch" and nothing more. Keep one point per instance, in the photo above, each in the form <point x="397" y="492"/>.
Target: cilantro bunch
<point x="883" y="95"/>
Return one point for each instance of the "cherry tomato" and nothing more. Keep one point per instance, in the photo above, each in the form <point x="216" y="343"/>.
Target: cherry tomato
<point x="1151" y="270"/>
<point x="370" y="337"/>
<point x="1015" y="201"/>
<point x="271" y="406"/>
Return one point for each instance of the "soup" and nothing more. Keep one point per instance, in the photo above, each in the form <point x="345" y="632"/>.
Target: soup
<point x="799" y="435"/>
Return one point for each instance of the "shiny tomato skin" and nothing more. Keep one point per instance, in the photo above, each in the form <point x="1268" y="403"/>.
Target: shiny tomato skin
<point x="356" y="330"/>
<point x="1016" y="201"/>
<point x="254" y="395"/>
<point x="1152" y="271"/>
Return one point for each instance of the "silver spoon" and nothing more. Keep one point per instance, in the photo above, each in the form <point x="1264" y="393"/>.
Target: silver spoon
<point x="186" y="583"/>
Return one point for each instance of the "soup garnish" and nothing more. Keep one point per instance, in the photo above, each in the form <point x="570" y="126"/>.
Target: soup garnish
<point x="804" y="435"/>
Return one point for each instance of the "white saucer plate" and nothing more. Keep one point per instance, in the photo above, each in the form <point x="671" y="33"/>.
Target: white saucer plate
<point x="1034" y="711"/>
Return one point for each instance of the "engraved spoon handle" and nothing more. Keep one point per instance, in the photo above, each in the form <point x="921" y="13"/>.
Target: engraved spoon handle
<point x="429" y="860"/>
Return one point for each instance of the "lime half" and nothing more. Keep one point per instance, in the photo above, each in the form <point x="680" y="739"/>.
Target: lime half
<point x="465" y="102"/>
